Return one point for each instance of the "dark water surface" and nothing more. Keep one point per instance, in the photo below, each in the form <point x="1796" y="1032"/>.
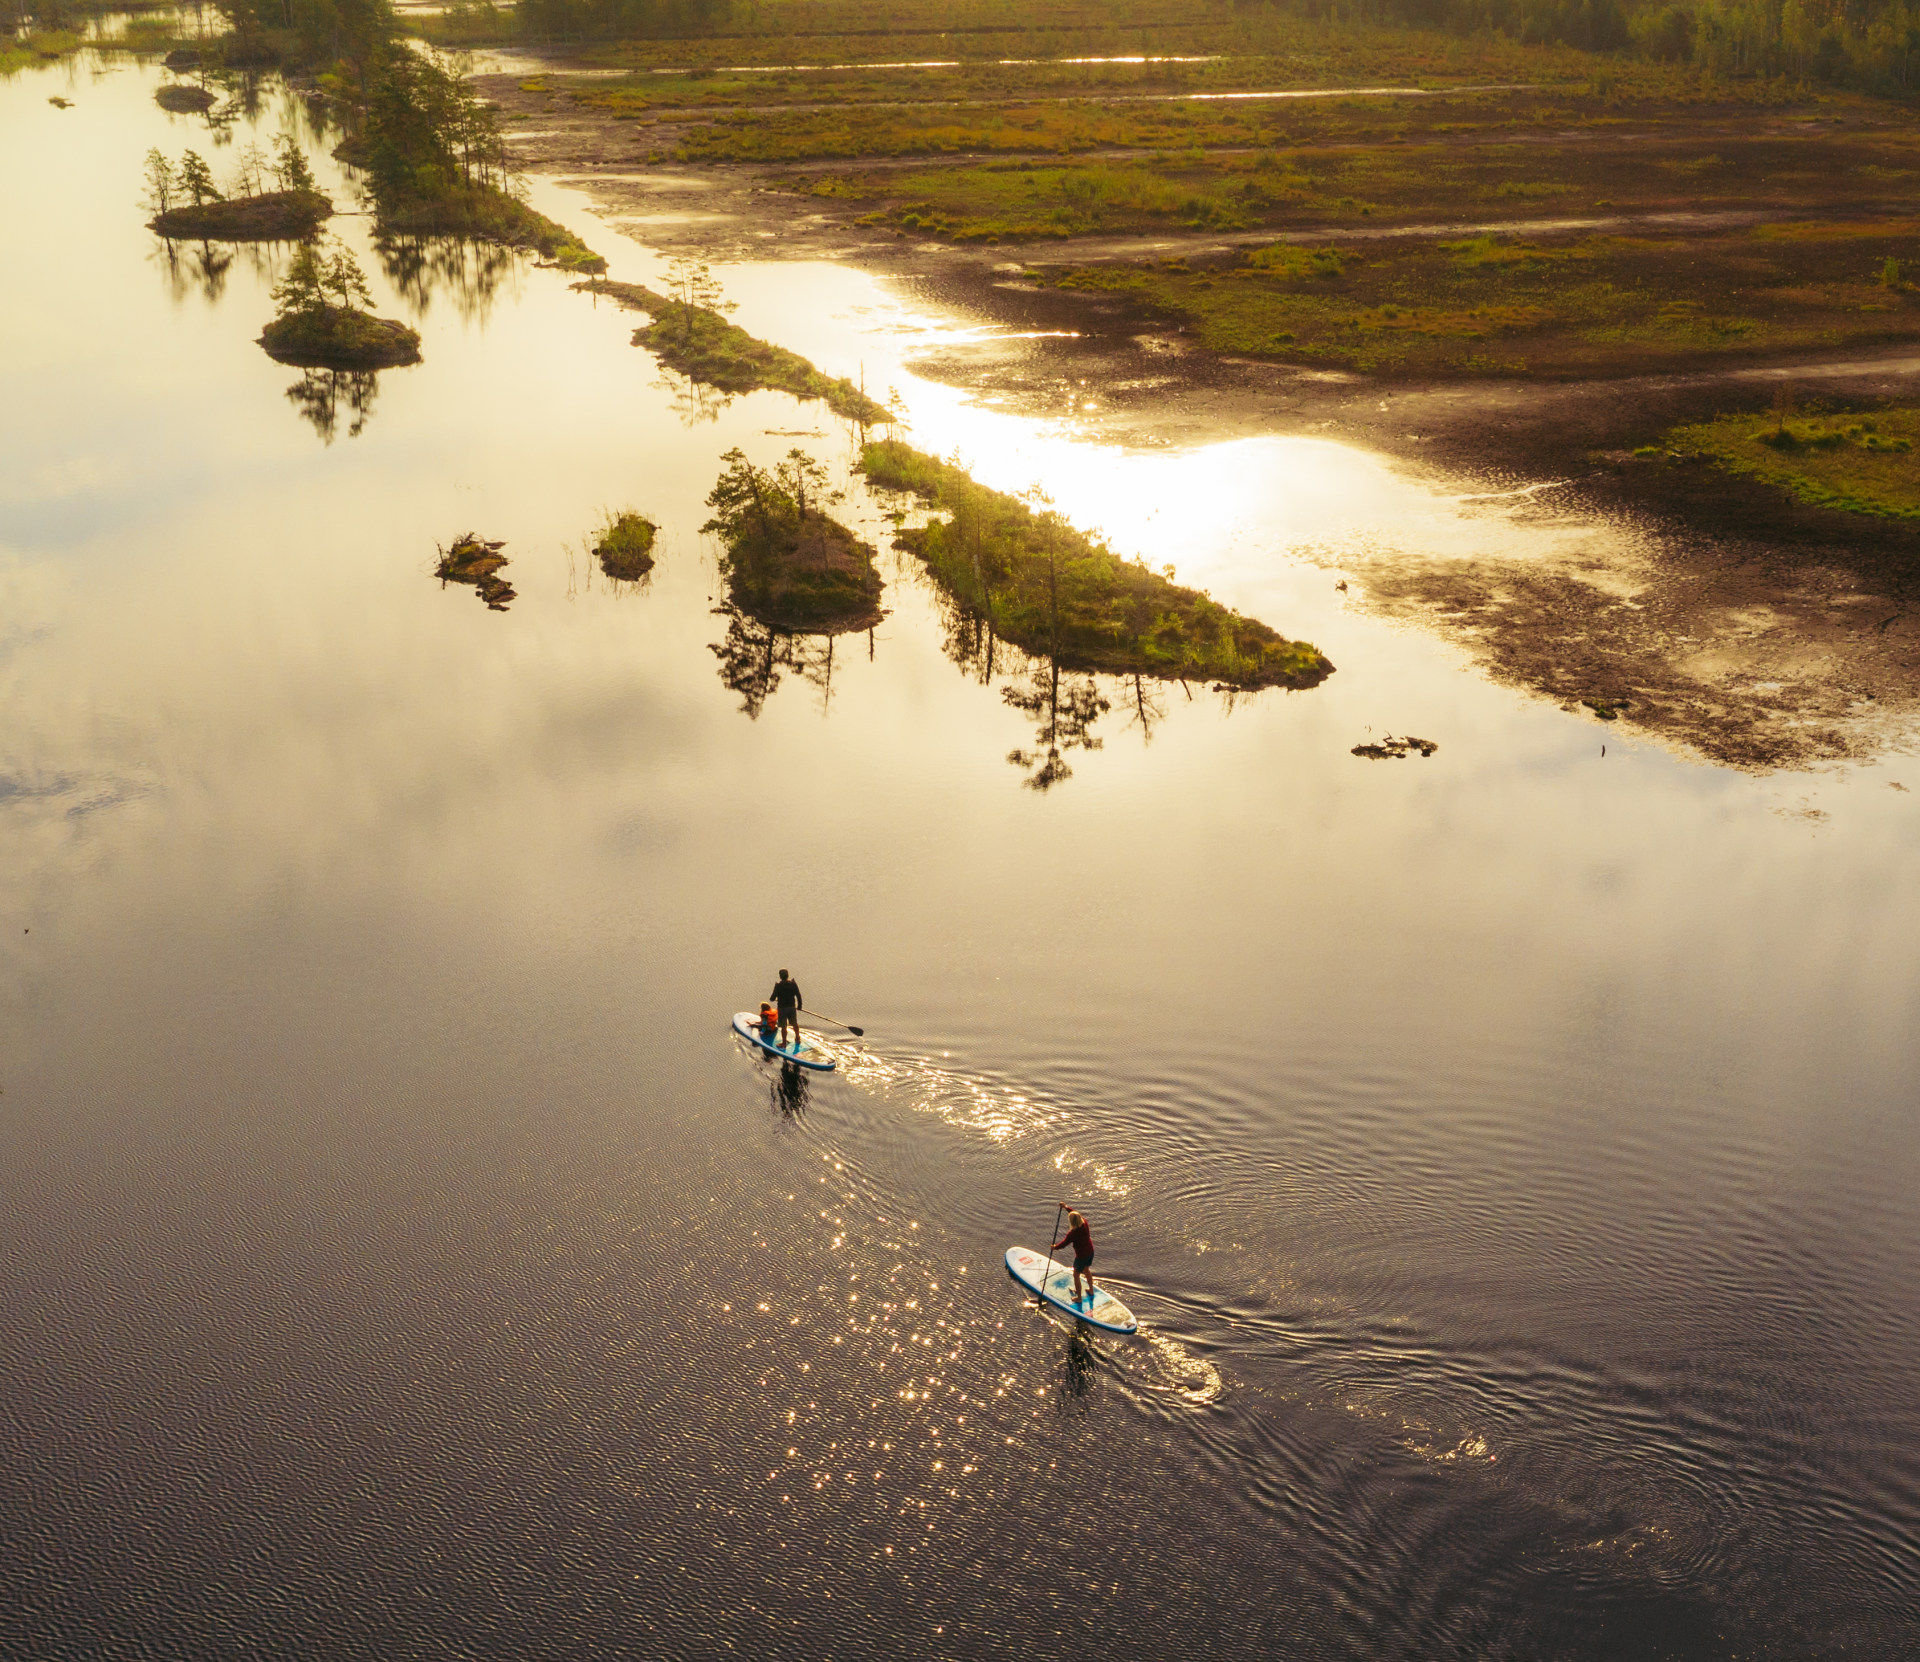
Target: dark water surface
<point x="1511" y="1154"/>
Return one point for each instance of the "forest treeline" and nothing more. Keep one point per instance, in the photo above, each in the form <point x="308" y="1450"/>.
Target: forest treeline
<point x="1873" y="45"/>
<point x="1870" y="44"/>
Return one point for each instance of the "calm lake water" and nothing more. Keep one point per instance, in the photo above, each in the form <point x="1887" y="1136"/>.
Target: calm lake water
<point x="1511" y="1154"/>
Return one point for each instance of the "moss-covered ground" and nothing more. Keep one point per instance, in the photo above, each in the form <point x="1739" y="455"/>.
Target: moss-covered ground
<point x="1565" y="307"/>
<point x="1856" y="462"/>
<point x="1052" y="590"/>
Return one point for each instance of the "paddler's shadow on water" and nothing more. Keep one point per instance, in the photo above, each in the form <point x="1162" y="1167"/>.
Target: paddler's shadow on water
<point x="787" y="1093"/>
<point x="1078" y="1378"/>
<point x="1080" y="1368"/>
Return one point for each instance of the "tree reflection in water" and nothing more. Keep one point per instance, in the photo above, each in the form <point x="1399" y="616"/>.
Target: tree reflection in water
<point x="1145" y="705"/>
<point x="319" y="395"/>
<point x="202" y="268"/>
<point x="1063" y="709"/>
<point x="1063" y="705"/>
<point x="754" y="656"/>
<point x="472" y="275"/>
<point x="968" y="640"/>
<point x="694" y="402"/>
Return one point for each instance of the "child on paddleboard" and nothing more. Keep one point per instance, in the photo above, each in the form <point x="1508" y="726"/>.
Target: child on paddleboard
<point x="768" y="1023"/>
<point x="1080" y="1237"/>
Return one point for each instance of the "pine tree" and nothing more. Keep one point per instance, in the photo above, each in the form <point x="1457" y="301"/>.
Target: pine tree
<point x="161" y="182"/>
<point x="801" y="477"/>
<point x="196" y="179"/>
<point x="303" y="291"/>
<point x="694" y="288"/>
<point x="249" y="173"/>
<point x="344" y="280"/>
<point x="290" y="164"/>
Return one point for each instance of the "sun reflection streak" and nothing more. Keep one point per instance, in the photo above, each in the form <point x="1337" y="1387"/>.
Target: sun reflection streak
<point x="996" y="1113"/>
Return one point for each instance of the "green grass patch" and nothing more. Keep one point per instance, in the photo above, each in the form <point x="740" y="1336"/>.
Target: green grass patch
<point x="1053" y="590"/>
<point x="702" y="344"/>
<point x="1827" y="230"/>
<point x="1503" y="254"/>
<point x="1289" y="260"/>
<point x="35" y="47"/>
<point x="1857" y="464"/>
<point x="624" y="546"/>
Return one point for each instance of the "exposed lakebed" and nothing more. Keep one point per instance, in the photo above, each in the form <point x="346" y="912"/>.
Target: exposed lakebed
<point x="1508" y="1150"/>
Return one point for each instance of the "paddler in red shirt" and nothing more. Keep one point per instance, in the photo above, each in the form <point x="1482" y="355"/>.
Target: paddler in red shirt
<point x="1080" y="1238"/>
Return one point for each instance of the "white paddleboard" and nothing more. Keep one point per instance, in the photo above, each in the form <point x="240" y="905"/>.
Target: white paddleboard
<point x="1052" y="1281"/>
<point x="803" y="1050"/>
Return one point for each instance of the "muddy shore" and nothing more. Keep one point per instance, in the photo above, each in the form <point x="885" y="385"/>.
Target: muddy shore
<point x="1710" y="613"/>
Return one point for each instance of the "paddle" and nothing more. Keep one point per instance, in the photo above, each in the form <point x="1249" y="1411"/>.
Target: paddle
<point x="1059" y="1207"/>
<point x="857" y="1032"/>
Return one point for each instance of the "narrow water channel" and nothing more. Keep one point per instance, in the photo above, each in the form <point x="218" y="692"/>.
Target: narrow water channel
<point x="1510" y="1152"/>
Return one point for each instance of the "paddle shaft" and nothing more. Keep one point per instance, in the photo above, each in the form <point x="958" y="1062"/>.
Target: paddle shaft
<point x="1059" y="1207"/>
<point x="855" y="1031"/>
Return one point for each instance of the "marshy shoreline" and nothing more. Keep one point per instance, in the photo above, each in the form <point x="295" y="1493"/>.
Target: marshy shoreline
<point x="1712" y="611"/>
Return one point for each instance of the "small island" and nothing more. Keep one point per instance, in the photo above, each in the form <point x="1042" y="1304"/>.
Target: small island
<point x="624" y="547"/>
<point x="189" y="206"/>
<point x="474" y="560"/>
<point x="178" y="98"/>
<point x="788" y="564"/>
<point x="272" y="216"/>
<point x="321" y="324"/>
<point x="1054" y="591"/>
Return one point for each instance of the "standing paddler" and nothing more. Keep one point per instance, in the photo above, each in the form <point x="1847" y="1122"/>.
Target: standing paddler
<point x="787" y="1005"/>
<point x="1079" y="1236"/>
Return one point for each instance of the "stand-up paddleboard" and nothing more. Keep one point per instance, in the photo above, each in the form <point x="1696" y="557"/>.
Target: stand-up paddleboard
<point x="802" y="1051"/>
<point x="1053" y="1282"/>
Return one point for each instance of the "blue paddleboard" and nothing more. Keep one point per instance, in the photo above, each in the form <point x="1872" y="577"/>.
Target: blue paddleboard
<point x="1053" y="1282"/>
<point x="803" y="1051"/>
